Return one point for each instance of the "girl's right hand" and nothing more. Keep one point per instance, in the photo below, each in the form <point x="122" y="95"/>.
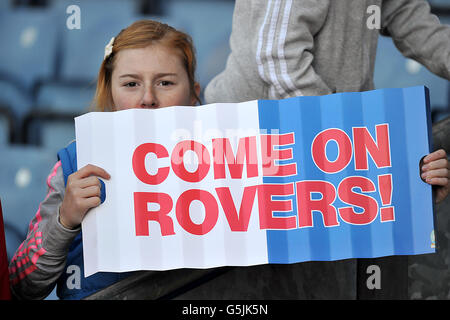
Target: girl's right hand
<point x="82" y="193"/>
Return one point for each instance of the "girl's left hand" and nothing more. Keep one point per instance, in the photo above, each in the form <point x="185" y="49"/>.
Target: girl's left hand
<point x="436" y="171"/>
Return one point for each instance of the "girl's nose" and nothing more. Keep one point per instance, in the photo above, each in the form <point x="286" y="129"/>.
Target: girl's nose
<point x="149" y="99"/>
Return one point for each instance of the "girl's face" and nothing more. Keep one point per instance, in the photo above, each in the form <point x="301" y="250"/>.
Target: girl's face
<point x="151" y="77"/>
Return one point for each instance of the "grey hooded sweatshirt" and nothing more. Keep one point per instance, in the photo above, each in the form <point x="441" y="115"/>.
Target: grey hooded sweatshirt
<point x="286" y="48"/>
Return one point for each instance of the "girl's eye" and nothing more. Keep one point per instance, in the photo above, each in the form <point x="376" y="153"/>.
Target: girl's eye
<point x="131" y="84"/>
<point x="165" y="83"/>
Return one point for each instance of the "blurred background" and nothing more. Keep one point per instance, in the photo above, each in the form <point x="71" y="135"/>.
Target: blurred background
<point x="48" y="75"/>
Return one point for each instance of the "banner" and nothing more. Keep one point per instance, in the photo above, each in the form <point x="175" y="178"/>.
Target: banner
<point x="300" y="179"/>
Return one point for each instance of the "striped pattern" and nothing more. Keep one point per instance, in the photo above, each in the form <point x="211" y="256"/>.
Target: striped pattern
<point x="25" y="260"/>
<point x="270" y="54"/>
<point x="405" y="111"/>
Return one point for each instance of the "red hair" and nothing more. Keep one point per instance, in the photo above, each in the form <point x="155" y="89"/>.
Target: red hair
<point x="141" y="34"/>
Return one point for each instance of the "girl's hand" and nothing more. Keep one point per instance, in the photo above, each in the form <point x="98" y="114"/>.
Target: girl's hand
<point x="436" y="171"/>
<point x="82" y="193"/>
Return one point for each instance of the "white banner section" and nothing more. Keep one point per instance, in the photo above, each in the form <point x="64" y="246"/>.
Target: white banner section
<point x="144" y="224"/>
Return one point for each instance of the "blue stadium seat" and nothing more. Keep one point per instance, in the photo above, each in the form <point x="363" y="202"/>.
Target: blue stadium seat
<point x="27" y="57"/>
<point x="6" y="5"/>
<point x="6" y="125"/>
<point x="24" y="171"/>
<point x="4" y="130"/>
<point x="440" y="3"/>
<point x="209" y="20"/>
<point x="18" y="103"/>
<point x="93" y="10"/>
<point x="51" y="131"/>
<point x="445" y="113"/>
<point x="57" y="133"/>
<point x="74" y="90"/>
<point x="393" y="70"/>
<point x="65" y="97"/>
<point x="215" y="59"/>
<point x="82" y="49"/>
<point x="182" y="24"/>
<point x="30" y="53"/>
<point x="80" y="52"/>
<point x="17" y="99"/>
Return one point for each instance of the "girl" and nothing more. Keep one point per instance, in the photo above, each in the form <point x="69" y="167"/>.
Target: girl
<point x="148" y="65"/>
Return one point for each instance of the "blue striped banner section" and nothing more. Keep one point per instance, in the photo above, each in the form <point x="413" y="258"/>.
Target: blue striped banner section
<point x="402" y="223"/>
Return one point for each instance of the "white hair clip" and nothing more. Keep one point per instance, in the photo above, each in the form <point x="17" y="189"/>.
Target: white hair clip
<point x="108" y="48"/>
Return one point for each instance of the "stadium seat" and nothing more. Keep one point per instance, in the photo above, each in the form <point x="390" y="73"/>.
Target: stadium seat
<point x="182" y="24"/>
<point x="18" y="104"/>
<point x="6" y="126"/>
<point x="6" y="5"/>
<point x="28" y="57"/>
<point x="65" y="97"/>
<point x="24" y="171"/>
<point x="31" y="37"/>
<point x="440" y="3"/>
<point x="393" y="70"/>
<point x="92" y="10"/>
<point x="4" y="130"/>
<point x="50" y="130"/>
<point x="57" y="133"/>
<point x="209" y="25"/>
<point x="82" y="49"/>
<point x="80" y="53"/>
<point x="214" y="60"/>
<point x="17" y="99"/>
<point x="81" y="57"/>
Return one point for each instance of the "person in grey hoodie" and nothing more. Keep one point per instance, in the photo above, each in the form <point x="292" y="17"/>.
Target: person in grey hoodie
<point x="286" y="48"/>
